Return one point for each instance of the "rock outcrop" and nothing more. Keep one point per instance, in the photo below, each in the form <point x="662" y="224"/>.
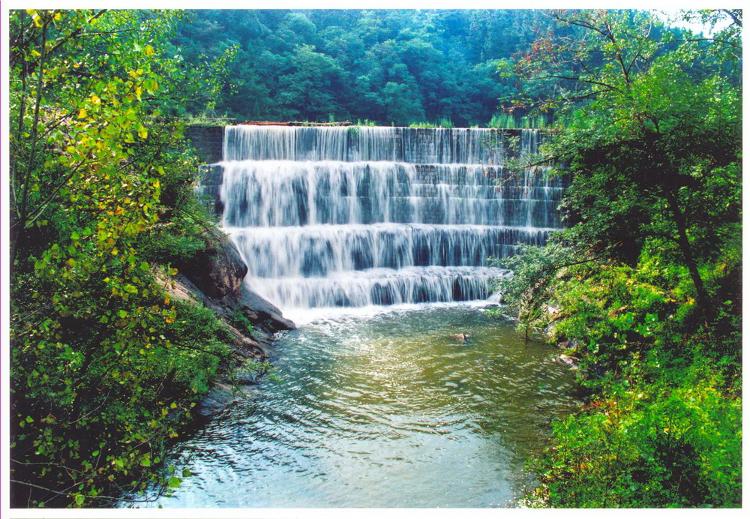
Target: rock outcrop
<point x="263" y="312"/>
<point x="214" y="277"/>
<point x="218" y="270"/>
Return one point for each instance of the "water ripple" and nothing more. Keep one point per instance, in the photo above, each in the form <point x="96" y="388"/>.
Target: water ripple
<point x="385" y="410"/>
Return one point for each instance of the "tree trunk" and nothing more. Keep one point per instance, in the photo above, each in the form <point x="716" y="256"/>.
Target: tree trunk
<point x="687" y="253"/>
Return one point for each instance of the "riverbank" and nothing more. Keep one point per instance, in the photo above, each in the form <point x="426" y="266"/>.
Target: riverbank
<point x="214" y="279"/>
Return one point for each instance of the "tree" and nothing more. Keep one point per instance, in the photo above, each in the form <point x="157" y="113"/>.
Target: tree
<point x="443" y="60"/>
<point x="104" y="366"/>
<point x="309" y="89"/>
<point x="652" y="145"/>
<point x="643" y="285"/>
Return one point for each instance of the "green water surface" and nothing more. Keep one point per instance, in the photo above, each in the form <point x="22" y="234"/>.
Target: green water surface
<point x="387" y="410"/>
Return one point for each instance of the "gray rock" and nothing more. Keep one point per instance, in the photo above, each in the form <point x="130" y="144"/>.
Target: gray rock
<point x="568" y="361"/>
<point x="261" y="311"/>
<point x="218" y="270"/>
<point x="217" y="400"/>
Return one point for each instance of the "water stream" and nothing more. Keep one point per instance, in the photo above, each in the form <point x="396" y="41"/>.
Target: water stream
<point x="377" y="242"/>
<point x="380" y="410"/>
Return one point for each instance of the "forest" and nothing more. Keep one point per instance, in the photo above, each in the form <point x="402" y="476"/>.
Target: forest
<point x="641" y="286"/>
<point x="385" y="67"/>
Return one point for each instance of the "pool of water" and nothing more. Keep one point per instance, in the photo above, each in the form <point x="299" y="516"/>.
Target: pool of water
<point x="383" y="410"/>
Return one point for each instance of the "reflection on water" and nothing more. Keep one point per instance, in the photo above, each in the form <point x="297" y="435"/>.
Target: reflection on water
<point x="384" y="410"/>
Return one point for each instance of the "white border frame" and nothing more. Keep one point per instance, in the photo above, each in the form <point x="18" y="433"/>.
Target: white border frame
<point x="432" y="513"/>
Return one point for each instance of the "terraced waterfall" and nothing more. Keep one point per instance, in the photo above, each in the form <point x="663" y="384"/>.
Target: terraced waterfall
<point x="336" y="216"/>
<point x="380" y="399"/>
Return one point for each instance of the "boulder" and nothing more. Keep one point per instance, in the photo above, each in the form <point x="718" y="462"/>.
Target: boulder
<point x="262" y="312"/>
<point x="218" y="270"/>
<point x="217" y="400"/>
<point x="568" y="361"/>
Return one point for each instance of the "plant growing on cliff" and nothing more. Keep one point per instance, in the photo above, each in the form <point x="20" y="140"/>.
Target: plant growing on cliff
<point x="241" y="320"/>
<point x="104" y="366"/>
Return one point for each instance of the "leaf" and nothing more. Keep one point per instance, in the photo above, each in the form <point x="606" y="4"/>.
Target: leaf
<point x="79" y="499"/>
<point x="151" y="86"/>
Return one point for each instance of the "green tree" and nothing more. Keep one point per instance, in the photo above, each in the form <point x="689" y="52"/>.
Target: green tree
<point x="104" y="366"/>
<point x="339" y="62"/>
<point x="309" y="88"/>
<point x="643" y="285"/>
<point x="654" y="149"/>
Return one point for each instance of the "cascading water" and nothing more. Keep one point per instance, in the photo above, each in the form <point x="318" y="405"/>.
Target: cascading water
<point x="358" y="216"/>
<point x="443" y="406"/>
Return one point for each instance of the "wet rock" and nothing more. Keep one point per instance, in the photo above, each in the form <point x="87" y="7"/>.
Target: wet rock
<point x="247" y="378"/>
<point x="568" y="361"/>
<point x="219" y="398"/>
<point x="553" y="312"/>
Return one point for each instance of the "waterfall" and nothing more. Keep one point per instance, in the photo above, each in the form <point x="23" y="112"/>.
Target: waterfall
<point x="358" y="216"/>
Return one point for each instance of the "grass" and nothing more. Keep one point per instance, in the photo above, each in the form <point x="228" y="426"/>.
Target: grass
<point x="443" y="122"/>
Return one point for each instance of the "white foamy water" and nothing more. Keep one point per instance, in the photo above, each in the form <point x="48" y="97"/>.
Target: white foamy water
<point x="331" y="217"/>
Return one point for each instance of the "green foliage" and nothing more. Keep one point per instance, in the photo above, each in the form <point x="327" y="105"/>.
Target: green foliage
<point x="395" y="67"/>
<point x="442" y="123"/>
<point x="526" y="121"/>
<point x="534" y="270"/>
<point x="666" y="444"/>
<point x="252" y="371"/>
<point x="241" y="320"/>
<point x="663" y="422"/>
<point x="184" y="227"/>
<point x="105" y="368"/>
<point x="643" y="285"/>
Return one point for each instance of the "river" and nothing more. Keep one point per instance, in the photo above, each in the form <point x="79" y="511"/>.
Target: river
<point x="383" y="409"/>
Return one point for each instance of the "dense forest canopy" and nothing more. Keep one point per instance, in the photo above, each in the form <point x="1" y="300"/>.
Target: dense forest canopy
<point x="391" y="67"/>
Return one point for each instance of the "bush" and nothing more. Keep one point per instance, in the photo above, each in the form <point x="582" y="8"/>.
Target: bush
<point x="663" y="423"/>
<point x="649" y="445"/>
